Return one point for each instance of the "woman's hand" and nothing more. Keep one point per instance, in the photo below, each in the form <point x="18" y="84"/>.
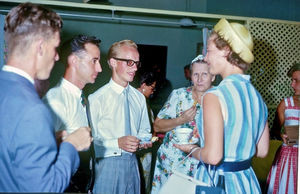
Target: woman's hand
<point x="189" y="114"/>
<point x="196" y="132"/>
<point x="186" y="148"/>
<point x="285" y="138"/>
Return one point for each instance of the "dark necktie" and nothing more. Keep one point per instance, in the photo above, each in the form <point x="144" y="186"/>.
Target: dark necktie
<point x="91" y="181"/>
<point x="83" y="100"/>
<point x="127" y="112"/>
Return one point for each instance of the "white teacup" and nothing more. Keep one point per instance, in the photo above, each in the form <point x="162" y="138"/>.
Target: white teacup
<point x="183" y="135"/>
<point x="144" y="137"/>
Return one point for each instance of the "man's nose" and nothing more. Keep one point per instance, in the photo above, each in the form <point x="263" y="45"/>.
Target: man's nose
<point x="98" y="67"/>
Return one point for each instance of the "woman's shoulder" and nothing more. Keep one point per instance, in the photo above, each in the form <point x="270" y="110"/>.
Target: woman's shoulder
<point x="183" y="90"/>
<point x="214" y="89"/>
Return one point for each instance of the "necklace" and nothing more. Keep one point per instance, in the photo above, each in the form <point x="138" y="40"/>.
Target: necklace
<point x="196" y="97"/>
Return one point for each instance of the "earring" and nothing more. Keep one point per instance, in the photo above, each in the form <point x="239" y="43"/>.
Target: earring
<point x="143" y="90"/>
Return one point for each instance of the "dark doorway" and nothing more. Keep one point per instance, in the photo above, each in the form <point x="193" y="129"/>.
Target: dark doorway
<point x="154" y="59"/>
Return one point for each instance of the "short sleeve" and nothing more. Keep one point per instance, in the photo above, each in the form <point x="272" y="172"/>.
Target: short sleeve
<point x="168" y="111"/>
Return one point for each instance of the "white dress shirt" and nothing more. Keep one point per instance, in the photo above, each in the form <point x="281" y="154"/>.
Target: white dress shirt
<point x="108" y="119"/>
<point x="18" y="71"/>
<point x="64" y="101"/>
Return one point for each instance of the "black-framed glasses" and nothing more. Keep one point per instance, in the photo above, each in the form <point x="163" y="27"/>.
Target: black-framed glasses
<point x="129" y="62"/>
<point x="152" y="88"/>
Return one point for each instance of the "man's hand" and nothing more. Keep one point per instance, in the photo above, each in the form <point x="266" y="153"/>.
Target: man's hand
<point x="145" y="145"/>
<point x="129" y="143"/>
<point x="81" y="138"/>
<point x="59" y="136"/>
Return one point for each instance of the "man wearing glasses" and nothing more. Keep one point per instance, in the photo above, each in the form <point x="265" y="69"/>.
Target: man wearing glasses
<point x="120" y="121"/>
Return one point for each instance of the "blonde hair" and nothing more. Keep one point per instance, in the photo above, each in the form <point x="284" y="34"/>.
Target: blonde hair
<point x="115" y="48"/>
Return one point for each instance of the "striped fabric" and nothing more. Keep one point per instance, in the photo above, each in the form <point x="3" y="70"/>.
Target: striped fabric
<point x="283" y="174"/>
<point x="282" y="177"/>
<point x="245" y="116"/>
<point x="291" y="113"/>
<point x="116" y="175"/>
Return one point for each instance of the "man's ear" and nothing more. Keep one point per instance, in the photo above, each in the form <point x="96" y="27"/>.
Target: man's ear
<point x="112" y="63"/>
<point x="72" y="60"/>
<point x="143" y="85"/>
<point x="40" y="46"/>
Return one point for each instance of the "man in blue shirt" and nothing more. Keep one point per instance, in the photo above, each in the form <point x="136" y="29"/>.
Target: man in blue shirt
<point x="30" y="160"/>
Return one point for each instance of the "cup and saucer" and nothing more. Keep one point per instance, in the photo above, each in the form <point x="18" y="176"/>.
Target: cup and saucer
<point x="185" y="136"/>
<point x="145" y="138"/>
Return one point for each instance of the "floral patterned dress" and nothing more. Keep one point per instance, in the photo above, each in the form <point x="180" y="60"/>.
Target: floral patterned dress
<point x="168" y="157"/>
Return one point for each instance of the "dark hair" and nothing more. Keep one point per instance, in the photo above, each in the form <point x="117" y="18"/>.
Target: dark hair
<point x="295" y="67"/>
<point x="187" y="66"/>
<point x="77" y="45"/>
<point x="233" y="57"/>
<point x="148" y="78"/>
<point x="27" y="21"/>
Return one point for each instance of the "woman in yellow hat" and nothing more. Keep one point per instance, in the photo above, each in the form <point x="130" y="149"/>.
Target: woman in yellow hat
<point x="234" y="124"/>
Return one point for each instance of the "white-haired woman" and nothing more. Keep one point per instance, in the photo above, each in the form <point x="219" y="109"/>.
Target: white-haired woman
<point x="233" y="127"/>
<point x="179" y="111"/>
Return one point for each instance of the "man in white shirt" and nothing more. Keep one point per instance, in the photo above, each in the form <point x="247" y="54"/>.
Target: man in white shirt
<point x="81" y="55"/>
<point x="116" y="166"/>
<point x="82" y="58"/>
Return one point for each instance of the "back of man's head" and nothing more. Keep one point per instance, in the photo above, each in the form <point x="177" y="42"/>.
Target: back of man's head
<point x="26" y="22"/>
<point x="76" y="46"/>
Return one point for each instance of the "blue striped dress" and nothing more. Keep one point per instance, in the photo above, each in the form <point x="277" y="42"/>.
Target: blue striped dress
<point x="245" y="116"/>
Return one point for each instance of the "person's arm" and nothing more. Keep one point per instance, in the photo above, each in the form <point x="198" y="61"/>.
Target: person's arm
<point x="81" y="138"/>
<point x="278" y="121"/>
<point x="212" y="152"/>
<point x="105" y="145"/>
<point x="262" y="148"/>
<point x="40" y="166"/>
<point x="280" y="112"/>
<point x="58" y="111"/>
<point x="165" y="125"/>
<point x="145" y="127"/>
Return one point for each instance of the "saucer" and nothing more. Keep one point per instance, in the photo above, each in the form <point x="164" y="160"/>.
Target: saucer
<point x="192" y="141"/>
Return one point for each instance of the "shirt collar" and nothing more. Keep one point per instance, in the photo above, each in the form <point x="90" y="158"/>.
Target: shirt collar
<point x="18" y="71"/>
<point x="116" y="87"/>
<point x="71" y="87"/>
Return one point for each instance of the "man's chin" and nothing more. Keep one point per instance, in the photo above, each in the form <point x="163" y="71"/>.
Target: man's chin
<point x="130" y="79"/>
<point x="42" y="77"/>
